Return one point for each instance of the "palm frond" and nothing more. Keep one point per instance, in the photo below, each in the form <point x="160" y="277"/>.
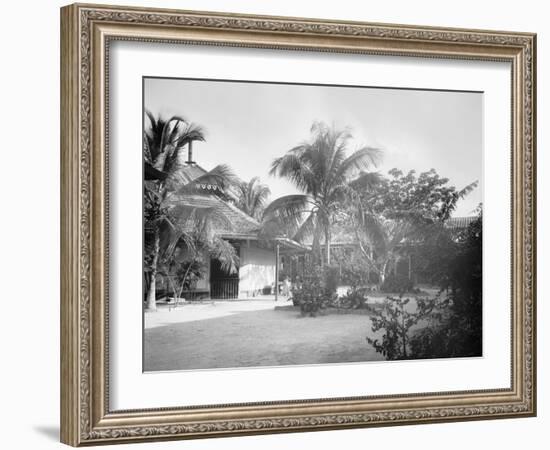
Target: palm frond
<point x="372" y="229"/>
<point x="221" y="176"/>
<point x="448" y="208"/>
<point x="170" y="129"/>
<point x="252" y="197"/>
<point x="290" y="206"/>
<point x="226" y="254"/>
<point x="296" y="169"/>
<point x="468" y="189"/>
<point x="285" y="215"/>
<point x="192" y="132"/>
<point x="150" y="173"/>
<point x="361" y="159"/>
<point x="160" y="138"/>
<point x="306" y="229"/>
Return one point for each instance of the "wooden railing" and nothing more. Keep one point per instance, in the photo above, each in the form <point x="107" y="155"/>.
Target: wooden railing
<point x="224" y="288"/>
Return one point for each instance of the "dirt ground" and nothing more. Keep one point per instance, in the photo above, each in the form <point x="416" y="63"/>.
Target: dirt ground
<point x="251" y="333"/>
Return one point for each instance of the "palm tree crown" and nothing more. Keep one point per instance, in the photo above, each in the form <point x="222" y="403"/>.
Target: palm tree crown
<point x="171" y="221"/>
<point x="252" y="197"/>
<point x="322" y="170"/>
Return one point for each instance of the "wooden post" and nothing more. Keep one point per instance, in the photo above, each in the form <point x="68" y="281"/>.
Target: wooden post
<point x="277" y="271"/>
<point x="409" y="267"/>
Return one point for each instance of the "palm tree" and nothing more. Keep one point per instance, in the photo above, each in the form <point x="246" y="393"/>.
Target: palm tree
<point x="379" y="240"/>
<point x="169" y="220"/>
<point x="252" y="197"/>
<point x="321" y="169"/>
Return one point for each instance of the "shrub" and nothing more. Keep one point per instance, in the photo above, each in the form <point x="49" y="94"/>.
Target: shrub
<point x="458" y="330"/>
<point x="397" y="322"/>
<point x="317" y="291"/>
<point x="399" y="284"/>
<point x="354" y="299"/>
<point x="331" y="279"/>
<point x="309" y="297"/>
<point x="353" y="268"/>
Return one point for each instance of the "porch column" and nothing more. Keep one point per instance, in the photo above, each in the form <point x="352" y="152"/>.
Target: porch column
<point x="276" y="271"/>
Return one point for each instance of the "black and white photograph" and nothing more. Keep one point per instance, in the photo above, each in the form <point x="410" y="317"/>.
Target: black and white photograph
<point x="303" y="224"/>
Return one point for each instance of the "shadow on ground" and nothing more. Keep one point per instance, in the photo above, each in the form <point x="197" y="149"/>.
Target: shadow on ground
<point x="50" y="432"/>
<point x="264" y="337"/>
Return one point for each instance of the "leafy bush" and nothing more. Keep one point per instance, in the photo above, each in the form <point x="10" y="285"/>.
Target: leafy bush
<point x="331" y="279"/>
<point x="309" y="297"/>
<point x="458" y="330"/>
<point x="353" y="267"/>
<point x="453" y="318"/>
<point x="397" y="321"/>
<point x="399" y="284"/>
<point x="354" y="299"/>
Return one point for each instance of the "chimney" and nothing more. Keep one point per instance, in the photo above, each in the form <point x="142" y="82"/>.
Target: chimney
<point x="190" y="153"/>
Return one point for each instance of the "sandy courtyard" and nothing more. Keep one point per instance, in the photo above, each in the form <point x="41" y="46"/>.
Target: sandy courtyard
<point x="251" y="333"/>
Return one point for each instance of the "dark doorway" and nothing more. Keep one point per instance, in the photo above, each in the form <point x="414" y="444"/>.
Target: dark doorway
<point x="223" y="285"/>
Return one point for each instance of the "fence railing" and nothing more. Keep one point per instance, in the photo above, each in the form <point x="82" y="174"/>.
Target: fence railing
<point x="224" y="288"/>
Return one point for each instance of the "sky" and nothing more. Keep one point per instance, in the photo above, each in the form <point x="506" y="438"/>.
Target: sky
<point x="248" y="125"/>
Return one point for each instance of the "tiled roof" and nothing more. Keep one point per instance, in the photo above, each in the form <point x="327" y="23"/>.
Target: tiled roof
<point x="341" y="236"/>
<point x="456" y="223"/>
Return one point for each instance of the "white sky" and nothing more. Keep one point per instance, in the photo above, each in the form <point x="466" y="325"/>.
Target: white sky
<point x="249" y="124"/>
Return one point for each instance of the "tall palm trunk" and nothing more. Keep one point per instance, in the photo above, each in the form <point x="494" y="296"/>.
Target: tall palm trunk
<point x="327" y="237"/>
<point x="152" y="293"/>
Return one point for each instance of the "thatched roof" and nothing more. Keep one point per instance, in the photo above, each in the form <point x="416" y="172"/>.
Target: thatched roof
<point x="237" y="224"/>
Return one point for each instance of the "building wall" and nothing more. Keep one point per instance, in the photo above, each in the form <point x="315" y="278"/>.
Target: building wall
<point x="257" y="269"/>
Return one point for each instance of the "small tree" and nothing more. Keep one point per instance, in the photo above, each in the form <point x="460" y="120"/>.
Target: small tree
<point x="397" y="322"/>
<point x="353" y="271"/>
<point x="399" y="212"/>
<point x="184" y="267"/>
<point x="186" y="264"/>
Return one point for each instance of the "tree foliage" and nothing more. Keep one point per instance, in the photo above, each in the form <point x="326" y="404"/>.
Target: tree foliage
<point x="452" y="321"/>
<point x="396" y="318"/>
<point x="252" y="197"/>
<point x="171" y="222"/>
<point x="317" y="291"/>
<point x="457" y="330"/>
<point x="322" y="169"/>
<point x="399" y="211"/>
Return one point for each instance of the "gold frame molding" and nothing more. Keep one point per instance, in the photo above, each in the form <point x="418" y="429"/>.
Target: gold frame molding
<point x="86" y="31"/>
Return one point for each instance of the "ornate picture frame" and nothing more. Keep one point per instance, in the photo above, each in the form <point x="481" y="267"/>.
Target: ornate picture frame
<point x="86" y="34"/>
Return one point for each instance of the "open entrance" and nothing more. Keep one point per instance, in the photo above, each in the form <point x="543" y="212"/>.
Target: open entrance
<point x="223" y="285"/>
